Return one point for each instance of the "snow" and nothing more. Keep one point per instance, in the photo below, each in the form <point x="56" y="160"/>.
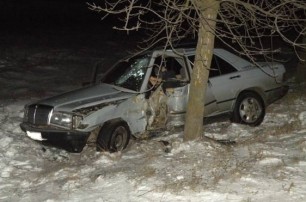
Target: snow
<point x="265" y="163"/>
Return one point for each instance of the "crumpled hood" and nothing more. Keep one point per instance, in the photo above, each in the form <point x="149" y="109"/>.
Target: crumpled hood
<point x="85" y="97"/>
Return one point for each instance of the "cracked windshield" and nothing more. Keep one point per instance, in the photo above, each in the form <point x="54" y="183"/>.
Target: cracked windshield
<point x="129" y="74"/>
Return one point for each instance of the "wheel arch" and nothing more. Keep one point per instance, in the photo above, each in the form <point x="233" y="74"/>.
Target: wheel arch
<point x="253" y="115"/>
<point x="94" y="133"/>
<point x="255" y="90"/>
<point x="104" y="138"/>
<point x="115" y="120"/>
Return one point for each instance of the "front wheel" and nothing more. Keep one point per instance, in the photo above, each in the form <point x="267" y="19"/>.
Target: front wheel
<point x="249" y="109"/>
<point x="113" y="137"/>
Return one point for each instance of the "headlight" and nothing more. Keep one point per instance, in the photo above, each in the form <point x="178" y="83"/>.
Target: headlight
<point x="61" y="119"/>
<point x="65" y="120"/>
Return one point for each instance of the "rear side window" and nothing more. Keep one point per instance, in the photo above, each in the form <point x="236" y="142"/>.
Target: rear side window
<point x="218" y="66"/>
<point x="224" y="67"/>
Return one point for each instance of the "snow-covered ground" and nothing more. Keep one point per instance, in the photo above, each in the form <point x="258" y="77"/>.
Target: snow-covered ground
<point x="266" y="163"/>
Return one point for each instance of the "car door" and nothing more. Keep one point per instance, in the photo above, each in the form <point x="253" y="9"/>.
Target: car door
<point x="225" y="82"/>
<point x="168" y="101"/>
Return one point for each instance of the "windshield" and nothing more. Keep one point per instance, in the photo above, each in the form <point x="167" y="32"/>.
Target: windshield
<point x="129" y="74"/>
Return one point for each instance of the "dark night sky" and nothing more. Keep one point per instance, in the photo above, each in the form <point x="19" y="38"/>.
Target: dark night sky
<point x="54" y="21"/>
<point x="46" y="14"/>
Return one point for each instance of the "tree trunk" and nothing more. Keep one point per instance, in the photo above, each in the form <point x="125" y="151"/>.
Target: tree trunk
<point x="199" y="79"/>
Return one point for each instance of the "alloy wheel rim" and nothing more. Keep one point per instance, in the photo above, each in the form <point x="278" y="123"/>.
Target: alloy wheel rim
<point x="250" y="110"/>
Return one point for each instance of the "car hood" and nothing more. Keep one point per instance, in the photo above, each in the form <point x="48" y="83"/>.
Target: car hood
<point x="86" y="97"/>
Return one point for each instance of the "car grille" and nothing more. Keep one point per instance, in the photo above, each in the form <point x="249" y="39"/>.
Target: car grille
<point x="38" y="114"/>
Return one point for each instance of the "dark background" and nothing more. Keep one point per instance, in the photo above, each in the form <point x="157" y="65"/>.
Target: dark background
<point x="56" y="23"/>
<point x="65" y="24"/>
<point x="43" y="42"/>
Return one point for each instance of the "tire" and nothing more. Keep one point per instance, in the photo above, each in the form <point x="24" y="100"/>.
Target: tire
<point x="113" y="136"/>
<point x="249" y="109"/>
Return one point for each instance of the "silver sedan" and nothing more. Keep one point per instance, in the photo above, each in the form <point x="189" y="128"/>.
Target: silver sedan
<point x="149" y="92"/>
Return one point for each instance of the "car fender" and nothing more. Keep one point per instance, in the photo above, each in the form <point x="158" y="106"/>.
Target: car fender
<point x="256" y="90"/>
<point x="132" y="111"/>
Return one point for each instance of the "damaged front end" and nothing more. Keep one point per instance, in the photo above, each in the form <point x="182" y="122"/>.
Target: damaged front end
<point x="42" y="123"/>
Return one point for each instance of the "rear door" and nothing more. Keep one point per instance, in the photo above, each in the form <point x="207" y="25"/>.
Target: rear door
<point x="225" y="81"/>
<point x="211" y="106"/>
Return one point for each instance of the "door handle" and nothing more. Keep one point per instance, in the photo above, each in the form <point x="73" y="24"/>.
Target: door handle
<point x="234" y="77"/>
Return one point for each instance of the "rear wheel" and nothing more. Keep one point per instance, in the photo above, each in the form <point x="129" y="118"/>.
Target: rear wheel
<point x="249" y="109"/>
<point x="113" y="137"/>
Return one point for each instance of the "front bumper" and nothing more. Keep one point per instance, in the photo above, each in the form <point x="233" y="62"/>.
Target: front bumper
<point x="72" y="141"/>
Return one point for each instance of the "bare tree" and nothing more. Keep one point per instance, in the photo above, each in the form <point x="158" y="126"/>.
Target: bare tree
<point x="243" y="25"/>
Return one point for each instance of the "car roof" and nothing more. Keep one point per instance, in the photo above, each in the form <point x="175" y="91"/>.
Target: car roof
<point x="231" y="58"/>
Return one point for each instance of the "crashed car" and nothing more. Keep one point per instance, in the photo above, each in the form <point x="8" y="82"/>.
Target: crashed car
<point x="124" y="102"/>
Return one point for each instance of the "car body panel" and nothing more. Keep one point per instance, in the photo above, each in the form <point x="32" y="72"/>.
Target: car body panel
<point x="85" y="97"/>
<point x="148" y="107"/>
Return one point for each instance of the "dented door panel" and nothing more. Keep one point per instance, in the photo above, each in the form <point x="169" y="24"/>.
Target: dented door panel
<point x="135" y="115"/>
<point x="177" y="104"/>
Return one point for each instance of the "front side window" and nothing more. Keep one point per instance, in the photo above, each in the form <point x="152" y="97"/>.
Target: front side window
<point x="129" y="73"/>
<point x="173" y="65"/>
